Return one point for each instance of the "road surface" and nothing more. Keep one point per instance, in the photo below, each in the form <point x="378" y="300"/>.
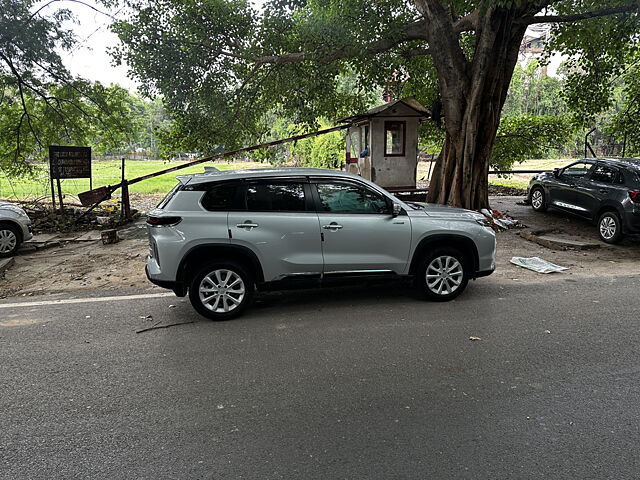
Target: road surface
<point x="353" y="383"/>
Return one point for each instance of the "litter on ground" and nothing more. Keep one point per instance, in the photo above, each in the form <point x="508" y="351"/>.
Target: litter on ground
<point x="501" y="220"/>
<point x="537" y="264"/>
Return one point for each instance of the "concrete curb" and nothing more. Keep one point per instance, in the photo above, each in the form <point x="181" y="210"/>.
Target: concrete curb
<point x="6" y="264"/>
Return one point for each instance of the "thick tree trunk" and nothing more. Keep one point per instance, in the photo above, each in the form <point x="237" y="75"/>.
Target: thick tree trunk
<point x="473" y="93"/>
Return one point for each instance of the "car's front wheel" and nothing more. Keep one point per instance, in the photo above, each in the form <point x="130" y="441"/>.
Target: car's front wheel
<point x="9" y="240"/>
<point x="442" y="275"/>
<point x="538" y="200"/>
<point x="610" y="227"/>
<point x="221" y="290"/>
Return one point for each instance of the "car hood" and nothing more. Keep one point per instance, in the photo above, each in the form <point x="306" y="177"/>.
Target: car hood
<point x="446" y="211"/>
<point x="543" y="176"/>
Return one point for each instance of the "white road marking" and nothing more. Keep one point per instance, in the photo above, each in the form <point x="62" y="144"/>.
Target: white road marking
<point x="66" y="301"/>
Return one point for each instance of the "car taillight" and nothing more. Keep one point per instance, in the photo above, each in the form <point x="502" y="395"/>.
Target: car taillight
<point x="634" y="195"/>
<point x="163" y="221"/>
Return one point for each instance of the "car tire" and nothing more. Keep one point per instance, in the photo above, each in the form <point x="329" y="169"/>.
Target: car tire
<point x="610" y="227"/>
<point x="538" y="199"/>
<point x="211" y="294"/>
<point x="442" y="275"/>
<point x="10" y="240"/>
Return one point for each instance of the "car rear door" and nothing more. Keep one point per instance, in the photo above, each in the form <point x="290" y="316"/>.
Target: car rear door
<point x="360" y="234"/>
<point x="597" y="188"/>
<point x="276" y="219"/>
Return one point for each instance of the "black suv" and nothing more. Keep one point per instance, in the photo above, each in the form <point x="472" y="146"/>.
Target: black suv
<point x="603" y="190"/>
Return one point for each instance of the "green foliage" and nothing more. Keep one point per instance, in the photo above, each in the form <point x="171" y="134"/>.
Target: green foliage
<point x="598" y="51"/>
<point x="322" y="151"/>
<point x="623" y="125"/>
<point x="533" y="92"/>
<point x="521" y="137"/>
<point x="200" y="55"/>
<point x="41" y="103"/>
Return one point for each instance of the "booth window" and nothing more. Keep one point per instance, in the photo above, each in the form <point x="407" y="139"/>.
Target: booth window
<point x="394" y="138"/>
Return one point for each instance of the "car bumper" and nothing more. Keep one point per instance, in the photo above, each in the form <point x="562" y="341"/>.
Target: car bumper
<point x="484" y="273"/>
<point x="632" y="222"/>
<point x="176" y="287"/>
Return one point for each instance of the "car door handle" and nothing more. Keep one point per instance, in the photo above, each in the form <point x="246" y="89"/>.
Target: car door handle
<point x="332" y="226"/>
<point x="603" y="190"/>
<point x="248" y="225"/>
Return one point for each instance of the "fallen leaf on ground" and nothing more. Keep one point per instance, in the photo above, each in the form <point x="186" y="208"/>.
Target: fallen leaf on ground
<point x="474" y="339"/>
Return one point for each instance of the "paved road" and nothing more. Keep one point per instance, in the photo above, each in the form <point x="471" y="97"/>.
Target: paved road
<point x="350" y="383"/>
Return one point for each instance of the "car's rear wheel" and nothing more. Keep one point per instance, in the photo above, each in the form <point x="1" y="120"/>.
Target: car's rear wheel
<point x="538" y="199"/>
<point x="221" y="290"/>
<point x="610" y="227"/>
<point x="442" y="275"/>
<point x="9" y="240"/>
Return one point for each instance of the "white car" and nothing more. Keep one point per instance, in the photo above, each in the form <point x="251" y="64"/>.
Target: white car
<point x="15" y="228"/>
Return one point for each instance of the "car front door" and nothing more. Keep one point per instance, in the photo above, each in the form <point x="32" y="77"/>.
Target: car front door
<point x="277" y="220"/>
<point x="562" y="192"/>
<point x="360" y="233"/>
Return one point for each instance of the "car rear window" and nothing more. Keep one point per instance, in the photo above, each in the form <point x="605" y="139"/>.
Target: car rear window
<point x="219" y="197"/>
<point x="167" y="198"/>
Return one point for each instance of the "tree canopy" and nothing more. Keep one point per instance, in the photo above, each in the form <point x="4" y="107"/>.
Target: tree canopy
<point x="222" y="65"/>
<point x="41" y="102"/>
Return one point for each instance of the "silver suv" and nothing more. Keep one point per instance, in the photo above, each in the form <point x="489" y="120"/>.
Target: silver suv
<point x="221" y="235"/>
<point x="15" y="228"/>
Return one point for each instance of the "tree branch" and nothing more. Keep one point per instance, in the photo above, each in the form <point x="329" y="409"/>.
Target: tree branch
<point x="530" y="20"/>
<point x="412" y="31"/>
<point x="25" y="110"/>
<point x="73" y="1"/>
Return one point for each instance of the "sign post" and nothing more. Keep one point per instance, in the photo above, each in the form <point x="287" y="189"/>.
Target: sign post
<point x="68" y="162"/>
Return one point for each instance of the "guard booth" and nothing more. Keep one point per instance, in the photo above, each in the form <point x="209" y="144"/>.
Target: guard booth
<point x="382" y="144"/>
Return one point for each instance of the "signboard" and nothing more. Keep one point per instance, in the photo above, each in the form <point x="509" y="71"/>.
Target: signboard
<point x="69" y="162"/>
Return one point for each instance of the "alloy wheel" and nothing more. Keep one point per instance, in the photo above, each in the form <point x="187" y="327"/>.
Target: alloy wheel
<point x="608" y="227"/>
<point x="536" y="199"/>
<point x="222" y="291"/>
<point x="8" y="241"/>
<point x="444" y="275"/>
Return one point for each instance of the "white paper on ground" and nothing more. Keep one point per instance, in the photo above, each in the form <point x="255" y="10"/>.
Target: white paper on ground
<point x="537" y="264"/>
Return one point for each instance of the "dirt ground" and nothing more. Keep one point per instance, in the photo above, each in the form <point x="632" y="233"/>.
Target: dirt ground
<point x="91" y="265"/>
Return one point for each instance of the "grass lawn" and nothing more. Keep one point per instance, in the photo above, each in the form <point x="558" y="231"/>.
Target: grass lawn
<point x="109" y="173"/>
<point x="522" y="181"/>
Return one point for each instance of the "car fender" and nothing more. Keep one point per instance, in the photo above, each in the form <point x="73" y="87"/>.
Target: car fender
<point x="233" y="251"/>
<point x="460" y="239"/>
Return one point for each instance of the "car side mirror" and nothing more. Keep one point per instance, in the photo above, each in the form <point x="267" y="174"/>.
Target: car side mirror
<point x="396" y="209"/>
<point x="556" y="172"/>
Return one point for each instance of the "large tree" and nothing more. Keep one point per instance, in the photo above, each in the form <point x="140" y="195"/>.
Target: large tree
<point x="222" y="65"/>
<point x="41" y="101"/>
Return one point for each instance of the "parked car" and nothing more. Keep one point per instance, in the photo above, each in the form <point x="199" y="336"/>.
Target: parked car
<point x="219" y="235"/>
<point x="603" y="190"/>
<point x="15" y="228"/>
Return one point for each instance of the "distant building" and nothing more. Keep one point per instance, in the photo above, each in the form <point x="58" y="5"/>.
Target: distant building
<point x="534" y="47"/>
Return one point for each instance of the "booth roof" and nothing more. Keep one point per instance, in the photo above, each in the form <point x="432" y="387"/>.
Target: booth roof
<point x="410" y="102"/>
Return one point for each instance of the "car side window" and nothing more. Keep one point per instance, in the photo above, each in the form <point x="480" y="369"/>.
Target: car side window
<point x="276" y="196"/>
<point x="350" y="198"/>
<point x="577" y="170"/>
<point x="603" y="174"/>
<point x="219" y="197"/>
